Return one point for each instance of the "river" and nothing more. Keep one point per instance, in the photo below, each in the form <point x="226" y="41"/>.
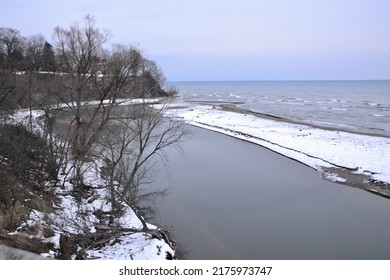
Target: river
<point x="230" y="199"/>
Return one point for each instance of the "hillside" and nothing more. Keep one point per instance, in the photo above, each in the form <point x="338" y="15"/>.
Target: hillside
<point x="42" y="211"/>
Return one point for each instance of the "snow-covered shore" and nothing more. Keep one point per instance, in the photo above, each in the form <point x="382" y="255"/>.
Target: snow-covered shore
<point x="338" y="155"/>
<point x="66" y="219"/>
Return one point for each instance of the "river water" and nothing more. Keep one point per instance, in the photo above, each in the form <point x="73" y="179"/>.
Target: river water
<point x="235" y="200"/>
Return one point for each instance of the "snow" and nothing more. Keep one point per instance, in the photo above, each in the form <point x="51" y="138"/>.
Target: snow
<point x="136" y="246"/>
<point x="23" y="117"/>
<point x="334" y="178"/>
<point x="124" y="102"/>
<point x="315" y="147"/>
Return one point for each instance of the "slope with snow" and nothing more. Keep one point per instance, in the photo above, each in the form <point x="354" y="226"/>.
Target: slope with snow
<point x="77" y="217"/>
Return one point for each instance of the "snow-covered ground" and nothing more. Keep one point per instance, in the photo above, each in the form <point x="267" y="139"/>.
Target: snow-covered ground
<point x="315" y="147"/>
<point x="124" y="102"/>
<point x="68" y="219"/>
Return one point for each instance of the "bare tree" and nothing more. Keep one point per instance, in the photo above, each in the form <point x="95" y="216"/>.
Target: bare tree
<point x="11" y="45"/>
<point x="7" y="83"/>
<point x="131" y="147"/>
<point x="33" y="52"/>
<point x="93" y="73"/>
<point x="10" y="42"/>
<point x="79" y="50"/>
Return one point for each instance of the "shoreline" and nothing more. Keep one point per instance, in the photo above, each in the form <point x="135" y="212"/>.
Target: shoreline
<point x="360" y="181"/>
<point x="235" y="109"/>
<point x="355" y="180"/>
<point x="353" y="176"/>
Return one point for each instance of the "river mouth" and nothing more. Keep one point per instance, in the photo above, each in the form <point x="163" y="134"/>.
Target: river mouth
<point x="230" y="199"/>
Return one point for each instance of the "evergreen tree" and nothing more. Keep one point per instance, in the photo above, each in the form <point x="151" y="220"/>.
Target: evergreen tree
<point x="48" y="58"/>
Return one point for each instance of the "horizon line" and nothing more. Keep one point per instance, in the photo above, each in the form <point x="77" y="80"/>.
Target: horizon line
<point x="278" y="80"/>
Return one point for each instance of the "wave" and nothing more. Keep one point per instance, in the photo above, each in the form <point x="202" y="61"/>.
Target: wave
<point x="235" y="95"/>
<point x="340" y="109"/>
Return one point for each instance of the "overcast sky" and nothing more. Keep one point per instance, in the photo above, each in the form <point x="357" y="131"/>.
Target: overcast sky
<point x="232" y="39"/>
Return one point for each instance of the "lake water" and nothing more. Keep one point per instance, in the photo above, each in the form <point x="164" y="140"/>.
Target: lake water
<point x="235" y="200"/>
<point x="362" y="106"/>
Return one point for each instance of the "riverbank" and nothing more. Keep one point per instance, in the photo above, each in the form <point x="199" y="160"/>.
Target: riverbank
<point x="77" y="213"/>
<point x="340" y="155"/>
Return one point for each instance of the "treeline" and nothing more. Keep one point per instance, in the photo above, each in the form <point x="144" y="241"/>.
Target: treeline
<point x="34" y="71"/>
<point x="26" y="53"/>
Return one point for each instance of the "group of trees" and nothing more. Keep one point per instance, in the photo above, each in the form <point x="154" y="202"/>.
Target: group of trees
<point x="20" y="53"/>
<point x="78" y="68"/>
<point x="77" y="50"/>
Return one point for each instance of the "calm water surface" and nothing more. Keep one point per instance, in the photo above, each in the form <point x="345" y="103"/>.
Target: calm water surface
<point x="235" y="200"/>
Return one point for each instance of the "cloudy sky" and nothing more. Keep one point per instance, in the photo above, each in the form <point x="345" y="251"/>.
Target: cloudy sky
<point x="232" y="39"/>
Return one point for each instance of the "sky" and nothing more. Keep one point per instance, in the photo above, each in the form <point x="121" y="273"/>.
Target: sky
<point x="209" y="40"/>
